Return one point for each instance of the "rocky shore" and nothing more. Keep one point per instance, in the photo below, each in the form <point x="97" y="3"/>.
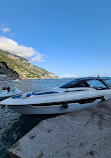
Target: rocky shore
<point x="4" y="69"/>
<point x="80" y="134"/>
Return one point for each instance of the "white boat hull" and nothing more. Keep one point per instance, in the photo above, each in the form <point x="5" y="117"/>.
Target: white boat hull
<point x="52" y="109"/>
<point x="53" y="101"/>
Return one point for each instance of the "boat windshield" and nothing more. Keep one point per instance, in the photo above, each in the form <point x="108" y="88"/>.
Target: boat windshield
<point x="73" y="84"/>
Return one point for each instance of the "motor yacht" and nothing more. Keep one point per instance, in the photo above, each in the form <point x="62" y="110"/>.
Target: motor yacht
<point x="73" y="95"/>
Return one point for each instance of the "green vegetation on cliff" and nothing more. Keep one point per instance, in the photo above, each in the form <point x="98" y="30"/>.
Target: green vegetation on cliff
<point x="23" y="67"/>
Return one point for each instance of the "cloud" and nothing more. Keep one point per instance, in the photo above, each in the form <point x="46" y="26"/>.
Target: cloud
<point x="5" y="29"/>
<point x="37" y="58"/>
<point x="13" y="47"/>
<point x="68" y="76"/>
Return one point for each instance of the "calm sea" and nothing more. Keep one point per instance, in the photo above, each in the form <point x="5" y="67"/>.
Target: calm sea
<point x="13" y="125"/>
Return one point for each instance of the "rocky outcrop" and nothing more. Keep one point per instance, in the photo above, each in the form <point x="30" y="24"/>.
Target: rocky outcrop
<point x="80" y="134"/>
<point x="4" y="69"/>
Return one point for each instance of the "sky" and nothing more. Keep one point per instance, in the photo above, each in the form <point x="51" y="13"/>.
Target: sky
<point x="67" y="37"/>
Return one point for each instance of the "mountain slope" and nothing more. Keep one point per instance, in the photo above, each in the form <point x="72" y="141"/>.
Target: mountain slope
<point x="23" y="67"/>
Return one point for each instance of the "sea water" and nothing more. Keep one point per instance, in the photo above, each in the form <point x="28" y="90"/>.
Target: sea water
<point x="13" y="125"/>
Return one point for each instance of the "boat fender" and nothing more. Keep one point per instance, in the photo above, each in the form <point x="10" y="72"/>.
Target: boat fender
<point x="103" y="99"/>
<point x="65" y="105"/>
<point x="3" y="107"/>
<point x="8" y="89"/>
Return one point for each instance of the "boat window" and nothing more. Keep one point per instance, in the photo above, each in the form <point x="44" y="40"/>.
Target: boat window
<point x="42" y="93"/>
<point x="96" y="84"/>
<point x="16" y="96"/>
<point x="74" y="84"/>
<point x="69" y="84"/>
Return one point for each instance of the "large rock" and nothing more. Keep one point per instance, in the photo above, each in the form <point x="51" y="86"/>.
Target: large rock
<point x="80" y="134"/>
<point x="4" y="69"/>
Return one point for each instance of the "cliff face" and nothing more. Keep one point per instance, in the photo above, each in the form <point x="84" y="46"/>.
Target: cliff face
<point x="4" y="69"/>
<point x="23" y="67"/>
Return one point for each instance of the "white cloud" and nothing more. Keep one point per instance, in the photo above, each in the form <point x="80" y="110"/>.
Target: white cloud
<point x="68" y="76"/>
<point x="38" y="58"/>
<point x="5" y="29"/>
<point x="13" y="47"/>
